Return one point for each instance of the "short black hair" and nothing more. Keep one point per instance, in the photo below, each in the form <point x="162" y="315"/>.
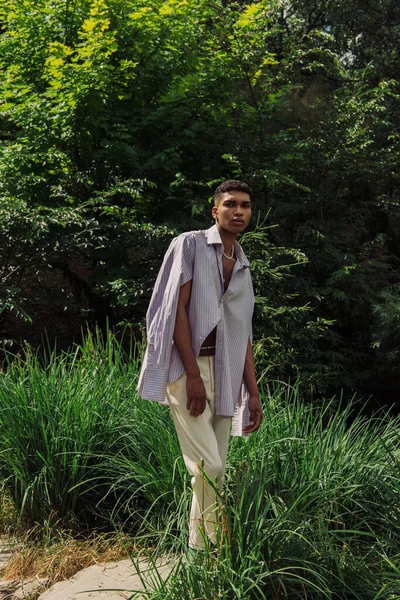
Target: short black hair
<point x="231" y="185"/>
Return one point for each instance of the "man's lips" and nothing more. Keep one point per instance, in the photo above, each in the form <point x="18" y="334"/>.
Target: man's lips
<point x="238" y="221"/>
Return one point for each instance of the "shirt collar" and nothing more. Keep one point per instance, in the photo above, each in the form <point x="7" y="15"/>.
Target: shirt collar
<point x="213" y="237"/>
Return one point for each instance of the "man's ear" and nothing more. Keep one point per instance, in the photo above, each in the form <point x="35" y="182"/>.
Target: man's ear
<point x="214" y="212"/>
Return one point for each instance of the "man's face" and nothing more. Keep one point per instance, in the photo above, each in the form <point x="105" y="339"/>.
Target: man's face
<point x="233" y="211"/>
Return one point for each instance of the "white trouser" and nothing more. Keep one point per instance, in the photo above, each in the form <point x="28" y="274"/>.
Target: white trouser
<point x="204" y="444"/>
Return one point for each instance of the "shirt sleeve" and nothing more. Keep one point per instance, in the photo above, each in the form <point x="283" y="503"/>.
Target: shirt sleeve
<point x="176" y="270"/>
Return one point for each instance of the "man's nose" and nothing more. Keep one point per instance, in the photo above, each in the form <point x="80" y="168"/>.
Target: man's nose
<point x="239" y="210"/>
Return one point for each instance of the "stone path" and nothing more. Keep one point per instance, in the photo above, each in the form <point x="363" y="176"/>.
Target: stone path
<point x="89" y="584"/>
<point x="92" y="583"/>
<point x="5" y="551"/>
<point x="7" y="588"/>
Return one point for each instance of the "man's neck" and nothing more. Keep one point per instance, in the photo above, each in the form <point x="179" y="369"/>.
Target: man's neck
<point x="227" y="239"/>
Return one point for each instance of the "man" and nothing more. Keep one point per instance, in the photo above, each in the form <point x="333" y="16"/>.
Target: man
<point x="199" y="358"/>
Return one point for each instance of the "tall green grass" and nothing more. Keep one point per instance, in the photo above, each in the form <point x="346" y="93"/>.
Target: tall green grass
<point x="311" y="502"/>
<point x="76" y="444"/>
<point x="313" y="510"/>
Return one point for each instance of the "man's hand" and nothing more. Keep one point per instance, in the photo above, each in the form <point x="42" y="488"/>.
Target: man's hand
<point x="196" y="395"/>
<point x="256" y="415"/>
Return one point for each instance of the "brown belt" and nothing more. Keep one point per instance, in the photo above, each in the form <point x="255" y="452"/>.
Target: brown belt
<point x="207" y="351"/>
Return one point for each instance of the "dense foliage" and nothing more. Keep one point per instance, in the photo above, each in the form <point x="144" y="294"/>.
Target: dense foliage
<point x="311" y="501"/>
<point x="118" y="117"/>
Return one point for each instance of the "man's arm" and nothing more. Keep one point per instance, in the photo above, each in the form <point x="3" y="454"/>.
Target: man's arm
<point x="176" y="270"/>
<point x="196" y="392"/>
<point x="249" y="376"/>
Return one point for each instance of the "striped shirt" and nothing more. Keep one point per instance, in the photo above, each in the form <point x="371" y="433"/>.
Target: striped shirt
<point x="197" y="256"/>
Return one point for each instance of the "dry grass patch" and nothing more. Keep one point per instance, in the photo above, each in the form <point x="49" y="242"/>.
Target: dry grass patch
<point x="64" y="557"/>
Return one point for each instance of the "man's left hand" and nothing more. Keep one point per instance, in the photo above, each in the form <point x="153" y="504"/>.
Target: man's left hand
<point x="256" y="415"/>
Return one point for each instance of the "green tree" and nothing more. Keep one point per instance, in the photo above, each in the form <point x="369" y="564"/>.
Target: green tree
<point x="117" y="118"/>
